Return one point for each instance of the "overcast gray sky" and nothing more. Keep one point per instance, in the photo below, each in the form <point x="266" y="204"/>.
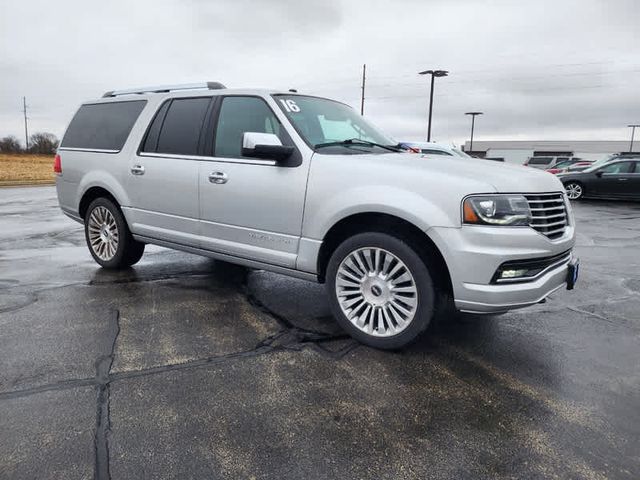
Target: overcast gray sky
<point x="544" y="70"/>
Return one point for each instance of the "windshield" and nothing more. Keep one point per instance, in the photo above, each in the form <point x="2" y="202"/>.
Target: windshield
<point x="598" y="163"/>
<point x="334" y="125"/>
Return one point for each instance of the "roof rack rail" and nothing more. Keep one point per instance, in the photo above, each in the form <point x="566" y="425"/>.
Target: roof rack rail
<point x="165" y="89"/>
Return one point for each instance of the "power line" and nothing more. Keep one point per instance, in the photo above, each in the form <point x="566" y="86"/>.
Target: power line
<point x="492" y="72"/>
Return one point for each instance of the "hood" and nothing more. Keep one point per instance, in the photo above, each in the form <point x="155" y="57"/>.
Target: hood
<point x="503" y="178"/>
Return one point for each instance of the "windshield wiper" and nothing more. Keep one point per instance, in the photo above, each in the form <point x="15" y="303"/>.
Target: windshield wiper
<point x="357" y="141"/>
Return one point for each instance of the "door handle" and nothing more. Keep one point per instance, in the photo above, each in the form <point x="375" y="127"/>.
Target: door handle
<point x="218" y="178"/>
<point x="137" y="170"/>
<point x="623" y="179"/>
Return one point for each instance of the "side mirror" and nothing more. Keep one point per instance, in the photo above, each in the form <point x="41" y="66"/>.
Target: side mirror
<point x="599" y="174"/>
<point x="264" y="145"/>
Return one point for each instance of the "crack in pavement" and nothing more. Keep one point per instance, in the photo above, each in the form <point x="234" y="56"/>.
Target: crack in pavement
<point x="302" y="334"/>
<point x="30" y="300"/>
<point x="103" y="422"/>
<point x="289" y="338"/>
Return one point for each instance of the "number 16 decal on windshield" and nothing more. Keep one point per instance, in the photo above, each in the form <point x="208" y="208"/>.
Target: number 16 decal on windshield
<point x="290" y="105"/>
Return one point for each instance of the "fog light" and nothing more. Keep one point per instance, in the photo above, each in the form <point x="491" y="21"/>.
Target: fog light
<point x="513" y="273"/>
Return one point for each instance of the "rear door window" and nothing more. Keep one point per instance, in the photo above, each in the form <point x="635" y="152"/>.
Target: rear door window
<point x="102" y="126"/>
<point x="151" y="140"/>
<point x="181" y="127"/>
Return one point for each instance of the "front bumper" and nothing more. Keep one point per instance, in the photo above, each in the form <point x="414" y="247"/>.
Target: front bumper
<point x="474" y="253"/>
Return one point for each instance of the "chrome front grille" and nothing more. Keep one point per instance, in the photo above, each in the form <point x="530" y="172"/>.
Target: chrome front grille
<point x="549" y="213"/>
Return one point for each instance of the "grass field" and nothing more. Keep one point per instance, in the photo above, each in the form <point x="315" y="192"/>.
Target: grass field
<point x="25" y="169"/>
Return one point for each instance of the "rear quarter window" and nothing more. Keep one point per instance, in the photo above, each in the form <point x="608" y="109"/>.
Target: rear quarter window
<point x="102" y="126"/>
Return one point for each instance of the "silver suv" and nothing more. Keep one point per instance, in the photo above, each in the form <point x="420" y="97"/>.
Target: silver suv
<point x="306" y="187"/>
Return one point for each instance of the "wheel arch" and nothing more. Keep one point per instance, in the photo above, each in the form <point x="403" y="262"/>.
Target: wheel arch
<point x="90" y="195"/>
<point x="392" y="225"/>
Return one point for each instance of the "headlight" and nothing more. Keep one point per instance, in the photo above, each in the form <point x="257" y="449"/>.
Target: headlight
<point x="508" y="210"/>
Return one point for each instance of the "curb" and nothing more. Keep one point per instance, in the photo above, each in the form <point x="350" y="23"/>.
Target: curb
<point x="26" y="183"/>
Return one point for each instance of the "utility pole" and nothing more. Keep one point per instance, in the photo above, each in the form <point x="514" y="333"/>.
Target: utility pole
<point x="633" y="132"/>
<point x="433" y="73"/>
<point x="364" y="79"/>
<point x="473" y="122"/>
<point x="26" y="129"/>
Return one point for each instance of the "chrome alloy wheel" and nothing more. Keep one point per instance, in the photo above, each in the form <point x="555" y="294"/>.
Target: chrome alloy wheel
<point x="103" y="233"/>
<point x="376" y="291"/>
<point x="574" y="191"/>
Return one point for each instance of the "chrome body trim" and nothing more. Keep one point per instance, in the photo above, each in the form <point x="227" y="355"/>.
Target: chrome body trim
<point x="93" y="150"/>
<point x="270" y="163"/>
<point x="311" y="277"/>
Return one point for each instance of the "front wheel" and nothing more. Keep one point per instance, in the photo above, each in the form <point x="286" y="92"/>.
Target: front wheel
<point x="380" y="290"/>
<point x="108" y="237"/>
<point x="575" y="190"/>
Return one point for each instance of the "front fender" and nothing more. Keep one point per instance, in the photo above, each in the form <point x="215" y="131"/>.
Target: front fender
<point x="322" y="214"/>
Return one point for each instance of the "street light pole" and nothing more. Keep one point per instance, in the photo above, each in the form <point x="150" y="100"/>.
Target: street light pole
<point x="633" y="132"/>
<point x="433" y="73"/>
<point x="364" y="79"/>
<point x="473" y="122"/>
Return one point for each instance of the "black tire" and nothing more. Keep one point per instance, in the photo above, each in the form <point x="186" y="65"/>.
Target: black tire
<point x="576" y="187"/>
<point x="426" y="297"/>
<point x="128" y="251"/>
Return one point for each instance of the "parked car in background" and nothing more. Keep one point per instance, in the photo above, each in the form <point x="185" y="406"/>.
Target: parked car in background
<point x="619" y="178"/>
<point x="564" y="165"/>
<point x="431" y="148"/>
<point x="615" y="156"/>
<point x="546" y="162"/>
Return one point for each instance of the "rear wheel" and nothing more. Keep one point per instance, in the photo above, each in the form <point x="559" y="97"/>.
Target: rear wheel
<point x="380" y="290"/>
<point x="575" y="190"/>
<point x="108" y="237"/>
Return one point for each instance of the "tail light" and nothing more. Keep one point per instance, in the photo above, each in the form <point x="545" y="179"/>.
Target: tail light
<point x="57" y="165"/>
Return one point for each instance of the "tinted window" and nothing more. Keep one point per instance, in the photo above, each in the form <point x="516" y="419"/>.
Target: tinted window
<point x="237" y="116"/>
<point x="102" y="126"/>
<point x="619" y="167"/>
<point x="151" y="140"/>
<point x="540" y="160"/>
<point x="182" y="124"/>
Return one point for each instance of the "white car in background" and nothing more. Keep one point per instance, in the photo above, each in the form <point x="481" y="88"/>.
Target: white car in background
<point x="431" y="148"/>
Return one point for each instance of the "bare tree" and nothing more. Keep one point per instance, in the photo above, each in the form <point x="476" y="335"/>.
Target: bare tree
<point x="43" y="143"/>
<point x="10" y="144"/>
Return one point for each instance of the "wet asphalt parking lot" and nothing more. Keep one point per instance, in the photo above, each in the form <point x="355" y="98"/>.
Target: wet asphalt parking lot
<point x="183" y="367"/>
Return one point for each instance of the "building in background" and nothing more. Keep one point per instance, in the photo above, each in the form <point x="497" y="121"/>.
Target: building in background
<point x="519" y="151"/>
